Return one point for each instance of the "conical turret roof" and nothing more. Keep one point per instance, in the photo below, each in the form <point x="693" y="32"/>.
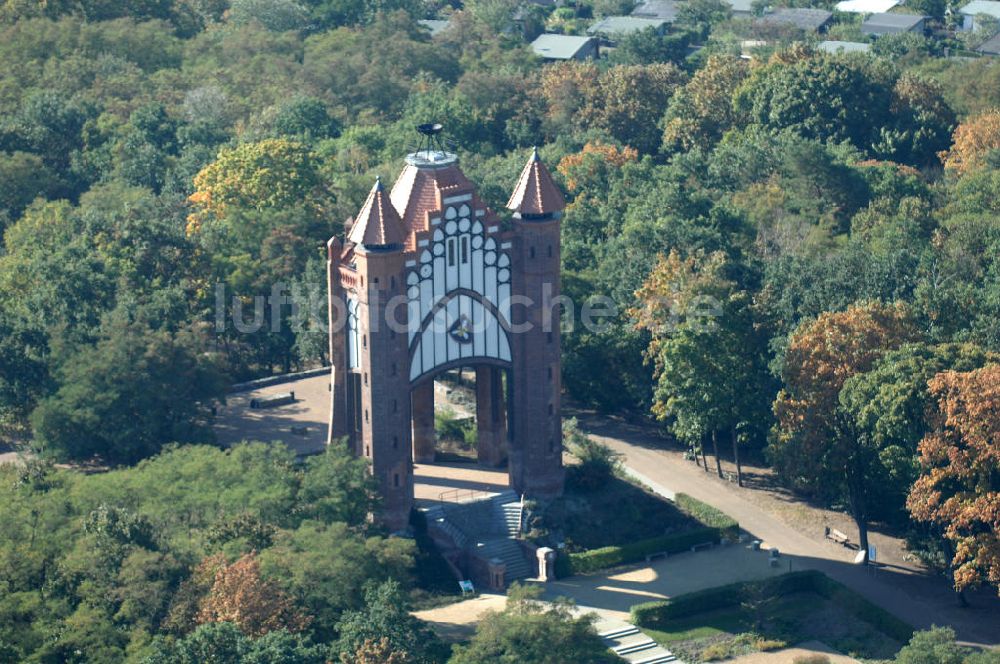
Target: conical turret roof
<point x="378" y="223"/>
<point x="536" y="193"/>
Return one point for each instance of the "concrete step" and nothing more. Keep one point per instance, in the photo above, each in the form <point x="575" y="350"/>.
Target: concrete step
<point x="619" y="632"/>
<point x="640" y="646"/>
<point x="659" y="659"/>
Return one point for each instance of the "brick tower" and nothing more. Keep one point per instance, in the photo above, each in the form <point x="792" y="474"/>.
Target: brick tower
<point x="424" y="283"/>
<point x="536" y="453"/>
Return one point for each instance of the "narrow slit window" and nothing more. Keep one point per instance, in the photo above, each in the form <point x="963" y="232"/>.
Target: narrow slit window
<point x="465" y="249"/>
<point x="451" y="252"/>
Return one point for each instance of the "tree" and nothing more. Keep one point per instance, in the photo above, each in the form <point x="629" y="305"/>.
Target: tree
<point x="241" y="596"/>
<point x="890" y="405"/>
<point x="531" y="631"/>
<point x="957" y="487"/>
<point x="224" y="643"/>
<point x="933" y="646"/>
<point x="24" y="177"/>
<point x="710" y="363"/>
<point x="922" y="126"/>
<point x="277" y="15"/>
<point x="630" y="99"/>
<point x="128" y="395"/>
<point x="273" y="173"/>
<point x="816" y="446"/>
<point x="307" y="117"/>
<point x="326" y="568"/>
<point x="972" y="142"/>
<point x="385" y="621"/>
<point x="820" y="97"/>
<point x="702" y="110"/>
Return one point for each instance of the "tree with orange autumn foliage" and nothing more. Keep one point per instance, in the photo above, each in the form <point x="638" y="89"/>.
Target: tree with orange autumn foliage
<point x="959" y="485"/>
<point x="241" y="596"/>
<point x="816" y="445"/>
<point x="591" y="164"/>
<point x="972" y="141"/>
<point x="376" y="652"/>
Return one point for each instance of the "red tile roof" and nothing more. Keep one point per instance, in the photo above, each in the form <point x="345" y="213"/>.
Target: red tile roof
<point x="378" y="223"/>
<point x="536" y="193"/>
<point x="418" y="191"/>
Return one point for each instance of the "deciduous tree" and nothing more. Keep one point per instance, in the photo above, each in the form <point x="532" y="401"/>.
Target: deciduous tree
<point x="815" y="445"/>
<point x="958" y="486"/>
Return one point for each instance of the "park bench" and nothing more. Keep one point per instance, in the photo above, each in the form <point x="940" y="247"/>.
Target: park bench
<point x="272" y="400"/>
<point x="658" y="554"/>
<point x="702" y="545"/>
<point x="837" y="536"/>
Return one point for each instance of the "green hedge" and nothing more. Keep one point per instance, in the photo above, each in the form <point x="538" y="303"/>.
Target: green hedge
<point x="610" y="556"/>
<point x="705" y="513"/>
<point x="716" y="526"/>
<point x="658" y="615"/>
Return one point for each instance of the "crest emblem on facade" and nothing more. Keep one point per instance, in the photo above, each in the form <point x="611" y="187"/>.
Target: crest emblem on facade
<point x="461" y="330"/>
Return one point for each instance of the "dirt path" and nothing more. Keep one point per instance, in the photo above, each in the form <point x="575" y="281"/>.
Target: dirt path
<point x="900" y="586"/>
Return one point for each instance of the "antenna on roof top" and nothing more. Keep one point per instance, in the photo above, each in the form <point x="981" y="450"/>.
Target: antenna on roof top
<point x="430" y="137"/>
<point x="432" y="141"/>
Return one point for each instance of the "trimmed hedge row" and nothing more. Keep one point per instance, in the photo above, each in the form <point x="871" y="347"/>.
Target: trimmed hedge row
<point x="610" y="556"/>
<point x="705" y="513"/>
<point x="716" y="526"/>
<point x="658" y="615"/>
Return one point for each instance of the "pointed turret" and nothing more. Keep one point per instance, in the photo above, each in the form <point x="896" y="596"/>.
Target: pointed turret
<point x="378" y="224"/>
<point x="536" y="194"/>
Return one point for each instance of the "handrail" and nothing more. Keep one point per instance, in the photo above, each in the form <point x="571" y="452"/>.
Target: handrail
<point x="520" y="518"/>
<point x="445" y="496"/>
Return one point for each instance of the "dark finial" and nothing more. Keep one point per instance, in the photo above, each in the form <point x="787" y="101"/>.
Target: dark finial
<point x="534" y="153"/>
<point x="378" y="183"/>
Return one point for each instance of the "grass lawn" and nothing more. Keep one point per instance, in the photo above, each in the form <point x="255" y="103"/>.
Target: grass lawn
<point x="617" y="513"/>
<point x="731" y="632"/>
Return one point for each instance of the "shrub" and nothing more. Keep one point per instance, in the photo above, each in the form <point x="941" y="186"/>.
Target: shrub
<point x="611" y="556"/>
<point x="598" y="462"/>
<point x="715" y="652"/>
<point x="451" y="427"/>
<point x="812" y="658"/>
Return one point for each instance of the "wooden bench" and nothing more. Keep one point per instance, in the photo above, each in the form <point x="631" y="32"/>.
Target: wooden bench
<point x="703" y="545"/>
<point x="659" y="554"/>
<point x="837" y="536"/>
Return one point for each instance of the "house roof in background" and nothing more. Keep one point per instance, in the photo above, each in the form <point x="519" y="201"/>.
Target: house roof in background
<point x="891" y="22"/>
<point x="843" y="47"/>
<point x="662" y="9"/>
<point x="991" y="7"/>
<point x="866" y="6"/>
<point x="559" y="47"/>
<point x="624" y="25"/>
<point x="436" y="26"/>
<point x="991" y="46"/>
<point x="740" y="6"/>
<point x="804" y="19"/>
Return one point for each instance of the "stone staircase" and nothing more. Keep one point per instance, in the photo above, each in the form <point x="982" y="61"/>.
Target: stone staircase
<point x="633" y="646"/>
<point x="509" y="551"/>
<point x="487" y="528"/>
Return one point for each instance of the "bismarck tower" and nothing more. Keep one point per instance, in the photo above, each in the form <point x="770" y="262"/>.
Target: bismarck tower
<point x="428" y="279"/>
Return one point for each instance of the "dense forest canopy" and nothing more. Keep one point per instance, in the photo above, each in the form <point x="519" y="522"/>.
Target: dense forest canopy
<point x="162" y="160"/>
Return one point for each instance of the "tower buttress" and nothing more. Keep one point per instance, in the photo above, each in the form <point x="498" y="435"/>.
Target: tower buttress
<point x="536" y="448"/>
<point x="375" y="370"/>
